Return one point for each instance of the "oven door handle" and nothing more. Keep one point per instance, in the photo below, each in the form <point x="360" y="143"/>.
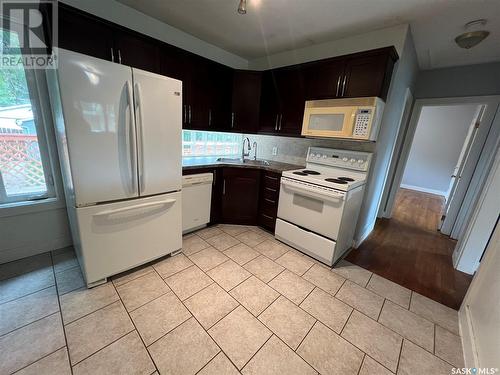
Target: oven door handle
<point x="330" y="196"/>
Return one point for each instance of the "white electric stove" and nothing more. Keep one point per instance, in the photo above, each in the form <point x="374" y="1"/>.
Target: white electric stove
<point x="319" y="205"/>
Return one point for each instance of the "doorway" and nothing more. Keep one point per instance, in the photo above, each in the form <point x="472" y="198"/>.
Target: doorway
<point x="430" y="197"/>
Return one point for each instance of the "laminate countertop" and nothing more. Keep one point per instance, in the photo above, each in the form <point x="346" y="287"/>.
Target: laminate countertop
<point x="211" y="162"/>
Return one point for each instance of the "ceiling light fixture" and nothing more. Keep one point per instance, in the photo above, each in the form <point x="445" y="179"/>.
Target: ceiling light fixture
<point x="473" y="36"/>
<point x="242" y="7"/>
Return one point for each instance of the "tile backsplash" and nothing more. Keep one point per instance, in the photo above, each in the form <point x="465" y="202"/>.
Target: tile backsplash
<point x="294" y="150"/>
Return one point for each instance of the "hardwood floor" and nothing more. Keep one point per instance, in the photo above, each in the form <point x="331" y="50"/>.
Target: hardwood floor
<point x="409" y="250"/>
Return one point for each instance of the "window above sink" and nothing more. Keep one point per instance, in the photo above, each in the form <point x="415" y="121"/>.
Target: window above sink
<point x="202" y="144"/>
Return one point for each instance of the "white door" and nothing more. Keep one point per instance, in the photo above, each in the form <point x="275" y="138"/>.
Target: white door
<point x="97" y="102"/>
<point x="158" y="109"/>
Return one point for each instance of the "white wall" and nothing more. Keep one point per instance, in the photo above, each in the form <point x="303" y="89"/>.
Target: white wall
<point x="439" y="137"/>
<point x="404" y="76"/>
<point x="120" y="14"/>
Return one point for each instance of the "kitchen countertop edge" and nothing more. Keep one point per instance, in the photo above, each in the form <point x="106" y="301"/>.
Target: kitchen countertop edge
<point x="273" y="167"/>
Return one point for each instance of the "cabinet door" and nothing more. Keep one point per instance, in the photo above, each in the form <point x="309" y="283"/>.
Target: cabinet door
<point x="290" y="84"/>
<point x="82" y="33"/>
<point x="364" y="76"/>
<point x="270" y="104"/>
<point x="218" y="96"/>
<point x="323" y="79"/>
<point x="240" y="195"/>
<point x="137" y="51"/>
<point x="246" y="101"/>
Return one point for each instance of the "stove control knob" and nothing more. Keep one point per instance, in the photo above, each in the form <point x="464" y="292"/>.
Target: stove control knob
<point x="361" y="161"/>
<point x="312" y="154"/>
<point x="318" y="155"/>
<point x="353" y="160"/>
<point x="324" y="156"/>
<point x="345" y="159"/>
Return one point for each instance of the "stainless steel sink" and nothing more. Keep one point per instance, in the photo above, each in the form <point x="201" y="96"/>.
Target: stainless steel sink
<point x="257" y="162"/>
<point x="230" y="160"/>
<point x="245" y="161"/>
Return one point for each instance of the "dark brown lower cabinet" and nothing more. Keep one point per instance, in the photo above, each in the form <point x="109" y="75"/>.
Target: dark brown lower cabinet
<point x="240" y="195"/>
<point x="268" y="202"/>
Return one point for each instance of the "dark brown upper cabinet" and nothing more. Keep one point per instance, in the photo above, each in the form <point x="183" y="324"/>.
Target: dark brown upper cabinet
<point x="245" y="103"/>
<point x="323" y="79"/>
<point x="137" y="51"/>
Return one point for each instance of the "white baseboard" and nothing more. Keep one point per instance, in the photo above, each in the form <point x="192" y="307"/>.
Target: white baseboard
<point x="34" y="248"/>
<point x="425" y="190"/>
<point x="358" y="240"/>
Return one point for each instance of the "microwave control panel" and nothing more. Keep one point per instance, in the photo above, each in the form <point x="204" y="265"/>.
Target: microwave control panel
<point x="362" y="122"/>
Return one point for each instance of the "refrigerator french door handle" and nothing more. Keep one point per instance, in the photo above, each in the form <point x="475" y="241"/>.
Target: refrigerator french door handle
<point x="130" y="138"/>
<point x="135" y="207"/>
<point x="140" y="133"/>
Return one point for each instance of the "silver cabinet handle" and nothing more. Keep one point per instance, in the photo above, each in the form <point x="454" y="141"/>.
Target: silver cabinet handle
<point x="209" y="117"/>
<point x="338" y="85"/>
<point x="232" y="120"/>
<point x="185" y="114"/>
<point x="343" y="85"/>
<point x="224" y="187"/>
<point x="119" y="56"/>
<point x="190" y="113"/>
<point x="112" y="55"/>
<point x="281" y="118"/>
<point x="276" y="123"/>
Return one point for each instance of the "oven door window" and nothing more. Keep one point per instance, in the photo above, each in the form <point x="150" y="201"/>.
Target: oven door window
<point x="308" y="203"/>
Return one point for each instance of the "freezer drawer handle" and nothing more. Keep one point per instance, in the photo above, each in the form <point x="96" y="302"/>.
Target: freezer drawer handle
<point x="136" y="207"/>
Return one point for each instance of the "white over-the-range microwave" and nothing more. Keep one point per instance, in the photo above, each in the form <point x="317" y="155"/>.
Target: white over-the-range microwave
<point x="355" y="118"/>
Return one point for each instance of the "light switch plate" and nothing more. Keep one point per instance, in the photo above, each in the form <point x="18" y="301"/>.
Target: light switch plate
<point x="275" y="151"/>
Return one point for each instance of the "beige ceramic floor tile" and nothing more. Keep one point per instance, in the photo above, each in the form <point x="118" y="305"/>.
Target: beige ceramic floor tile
<point x="220" y="365"/>
<point x="188" y="282"/>
<point x="327" y="309"/>
<point x="125" y="356"/>
<point x="435" y="312"/>
<point x="24" y="284"/>
<point x="69" y="280"/>
<point x="233" y="230"/>
<point x="192" y="244"/>
<point x="352" y="272"/>
<point x="93" y="332"/>
<point x="254" y="295"/>
<point x="277" y="358"/>
<point x="158" y="317"/>
<point x="25" y="310"/>
<point x="415" y="360"/>
<point x="292" y="286"/>
<point x="241" y="253"/>
<point x="132" y="274"/>
<point x="261" y="231"/>
<point x="30" y="343"/>
<point x="228" y="274"/>
<point x="251" y="238"/>
<point x="272" y="248"/>
<point x="84" y="301"/>
<point x="407" y="324"/>
<point x="208" y="232"/>
<point x="374" y="339"/>
<point x="324" y="278"/>
<point x="222" y="241"/>
<point x="361" y="299"/>
<point x="289" y="322"/>
<point x="390" y="290"/>
<point x="208" y="258"/>
<point x="171" y="265"/>
<point x="295" y="262"/>
<point x="25" y="265"/>
<point x="239" y="335"/>
<point x="210" y="305"/>
<point x="264" y="268"/>
<point x="184" y="351"/>
<point x="329" y="353"/>
<point x="137" y="292"/>
<point x="56" y="363"/>
<point x="372" y="367"/>
<point x="449" y="347"/>
<point x="64" y="259"/>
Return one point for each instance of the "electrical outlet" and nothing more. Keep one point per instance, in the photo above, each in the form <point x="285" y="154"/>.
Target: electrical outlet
<point x="275" y="151"/>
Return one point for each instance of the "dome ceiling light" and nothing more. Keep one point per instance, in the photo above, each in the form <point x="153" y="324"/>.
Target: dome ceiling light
<point x="473" y="35"/>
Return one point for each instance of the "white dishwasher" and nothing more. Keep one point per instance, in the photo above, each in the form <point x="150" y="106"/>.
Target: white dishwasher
<point x="196" y="201"/>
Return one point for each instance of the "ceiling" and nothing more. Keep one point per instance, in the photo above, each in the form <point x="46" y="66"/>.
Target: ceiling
<point x="273" y="26"/>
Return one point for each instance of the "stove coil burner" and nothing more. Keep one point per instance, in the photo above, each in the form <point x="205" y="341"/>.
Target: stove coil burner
<point x="300" y="173"/>
<point x="308" y="171"/>
<point x="336" y="180"/>
<point x="346" y="179"/>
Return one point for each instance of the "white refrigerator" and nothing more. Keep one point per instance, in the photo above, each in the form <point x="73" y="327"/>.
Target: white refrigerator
<point x="119" y="140"/>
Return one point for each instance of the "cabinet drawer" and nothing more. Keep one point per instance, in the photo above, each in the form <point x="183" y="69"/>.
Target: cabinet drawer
<point x="267" y="221"/>
<point x="272" y="180"/>
<point x="270" y="193"/>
